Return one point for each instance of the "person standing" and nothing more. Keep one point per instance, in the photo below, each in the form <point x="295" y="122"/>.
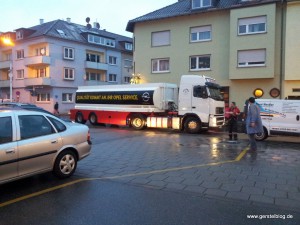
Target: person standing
<point x="56" y="112"/>
<point x="233" y="112"/>
<point x="253" y="123"/>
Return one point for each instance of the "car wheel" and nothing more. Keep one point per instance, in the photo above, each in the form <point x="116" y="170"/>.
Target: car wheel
<point x="79" y="118"/>
<point x="192" y="125"/>
<point x="65" y="164"/>
<point x="93" y="119"/>
<point x="261" y="136"/>
<point x="138" y="122"/>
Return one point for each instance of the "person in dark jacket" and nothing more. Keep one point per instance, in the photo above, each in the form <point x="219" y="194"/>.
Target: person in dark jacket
<point x="56" y="112"/>
<point x="253" y="123"/>
<point x="233" y="112"/>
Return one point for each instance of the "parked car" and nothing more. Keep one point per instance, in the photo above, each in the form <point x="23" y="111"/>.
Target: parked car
<point x="35" y="142"/>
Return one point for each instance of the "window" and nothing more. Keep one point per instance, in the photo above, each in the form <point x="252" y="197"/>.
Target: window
<point x="68" y="53"/>
<point x="20" y="74"/>
<point x="200" y="62"/>
<point x="128" y="63"/>
<point x="62" y="33"/>
<point x="161" y="38"/>
<point x="5" y="130"/>
<point x="128" y="46"/>
<point x="20" y="54"/>
<point x="201" y="4"/>
<point x="67" y="97"/>
<point x="60" y="127"/>
<point x="69" y="73"/>
<point x="112" y="60"/>
<point x="40" y="51"/>
<point x="93" y="57"/>
<point x="44" y="97"/>
<point x="41" y="72"/>
<point x="95" y="77"/>
<point x="160" y="65"/>
<point x="19" y="35"/>
<point x="101" y="40"/>
<point x="34" y="126"/>
<point x="112" y="78"/>
<point x="202" y="33"/>
<point x="253" y="25"/>
<point x="250" y="58"/>
<point x="127" y="79"/>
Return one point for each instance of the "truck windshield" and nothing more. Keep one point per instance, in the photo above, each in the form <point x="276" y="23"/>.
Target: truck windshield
<point x="214" y="91"/>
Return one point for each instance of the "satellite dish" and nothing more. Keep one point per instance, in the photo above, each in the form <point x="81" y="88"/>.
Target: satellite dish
<point x="89" y="26"/>
<point x="98" y="25"/>
<point x="87" y="19"/>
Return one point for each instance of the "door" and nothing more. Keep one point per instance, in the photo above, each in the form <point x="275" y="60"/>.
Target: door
<point x="200" y="103"/>
<point x="8" y="150"/>
<point x="38" y="145"/>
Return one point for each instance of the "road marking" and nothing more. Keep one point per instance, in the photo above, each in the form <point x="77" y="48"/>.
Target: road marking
<point x="35" y="194"/>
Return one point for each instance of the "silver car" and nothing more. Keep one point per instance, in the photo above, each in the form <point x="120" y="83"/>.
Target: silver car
<point x="34" y="142"/>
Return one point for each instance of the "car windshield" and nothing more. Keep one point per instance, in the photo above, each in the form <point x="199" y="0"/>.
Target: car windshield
<point x="214" y="91"/>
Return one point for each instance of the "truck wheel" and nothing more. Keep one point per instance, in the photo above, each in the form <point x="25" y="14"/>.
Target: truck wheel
<point x="138" y="122"/>
<point x="65" y="164"/>
<point x="93" y="119"/>
<point x="79" y="118"/>
<point x="261" y="136"/>
<point x="192" y="125"/>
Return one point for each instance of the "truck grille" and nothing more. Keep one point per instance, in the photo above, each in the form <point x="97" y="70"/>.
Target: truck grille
<point x="219" y="110"/>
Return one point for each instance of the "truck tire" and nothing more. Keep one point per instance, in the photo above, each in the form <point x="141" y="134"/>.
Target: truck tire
<point x="261" y="136"/>
<point x="79" y="118"/>
<point x="93" y="119"/>
<point x="192" y="125"/>
<point x="138" y="122"/>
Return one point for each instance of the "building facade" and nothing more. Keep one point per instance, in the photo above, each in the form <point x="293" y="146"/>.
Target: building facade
<point x="49" y="61"/>
<point x="246" y="45"/>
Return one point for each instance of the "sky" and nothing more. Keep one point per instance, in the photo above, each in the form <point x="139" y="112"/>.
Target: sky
<point x="112" y="15"/>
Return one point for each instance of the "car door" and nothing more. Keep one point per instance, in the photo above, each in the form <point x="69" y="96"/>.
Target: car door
<point x="38" y="144"/>
<point x="8" y="149"/>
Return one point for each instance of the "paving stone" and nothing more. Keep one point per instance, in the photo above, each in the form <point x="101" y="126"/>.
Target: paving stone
<point x="158" y="177"/>
<point x="210" y="184"/>
<point x="281" y="180"/>
<point x="294" y="195"/>
<point x="238" y="195"/>
<point x="191" y="181"/>
<point x="261" y="198"/>
<point x="176" y="186"/>
<point x="140" y="180"/>
<point x="275" y="193"/>
<point x="256" y="178"/>
<point x="174" y="179"/>
<point x="290" y="203"/>
<point x="261" y="184"/>
<point x="245" y="183"/>
<point x="286" y="187"/>
<point x="157" y="183"/>
<point x="226" y="180"/>
<point x="215" y="192"/>
<point x="231" y="187"/>
<point x="194" y="188"/>
<point x="253" y="190"/>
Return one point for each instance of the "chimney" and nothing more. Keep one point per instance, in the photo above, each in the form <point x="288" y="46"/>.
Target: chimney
<point x="69" y="20"/>
<point x="41" y="21"/>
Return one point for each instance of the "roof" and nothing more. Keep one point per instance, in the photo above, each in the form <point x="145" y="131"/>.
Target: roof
<point x="184" y="8"/>
<point x="72" y="31"/>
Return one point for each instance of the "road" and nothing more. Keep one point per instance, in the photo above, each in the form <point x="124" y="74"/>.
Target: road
<point x="164" y="177"/>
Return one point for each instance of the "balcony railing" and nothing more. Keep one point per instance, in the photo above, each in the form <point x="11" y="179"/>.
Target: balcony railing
<point x="4" y="83"/>
<point x="37" y="60"/>
<point x="96" y="65"/>
<point x="45" y="81"/>
<point x="4" y="64"/>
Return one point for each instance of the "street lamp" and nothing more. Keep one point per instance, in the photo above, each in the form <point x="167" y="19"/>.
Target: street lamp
<point x="8" y="42"/>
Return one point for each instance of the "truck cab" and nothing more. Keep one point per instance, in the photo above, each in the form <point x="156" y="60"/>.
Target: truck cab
<point x="201" y="102"/>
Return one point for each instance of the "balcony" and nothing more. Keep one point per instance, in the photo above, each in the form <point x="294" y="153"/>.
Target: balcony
<point x="37" y="60"/>
<point x="39" y="81"/>
<point x="96" y="65"/>
<point x="4" y="83"/>
<point x="4" y="64"/>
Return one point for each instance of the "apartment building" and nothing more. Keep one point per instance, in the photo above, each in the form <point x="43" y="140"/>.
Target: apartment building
<point x="49" y="61"/>
<point x="247" y="45"/>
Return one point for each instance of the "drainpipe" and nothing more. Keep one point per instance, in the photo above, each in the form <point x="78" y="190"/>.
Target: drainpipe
<point x="281" y="78"/>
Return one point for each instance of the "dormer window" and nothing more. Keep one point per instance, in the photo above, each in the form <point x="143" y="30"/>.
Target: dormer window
<point x="128" y="46"/>
<point x="19" y="35"/>
<point x="197" y="4"/>
<point x="62" y="33"/>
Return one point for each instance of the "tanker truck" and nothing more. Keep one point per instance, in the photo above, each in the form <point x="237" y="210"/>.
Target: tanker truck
<point x="196" y="105"/>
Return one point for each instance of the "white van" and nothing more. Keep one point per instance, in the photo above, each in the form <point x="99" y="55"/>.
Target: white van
<point x="279" y="117"/>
